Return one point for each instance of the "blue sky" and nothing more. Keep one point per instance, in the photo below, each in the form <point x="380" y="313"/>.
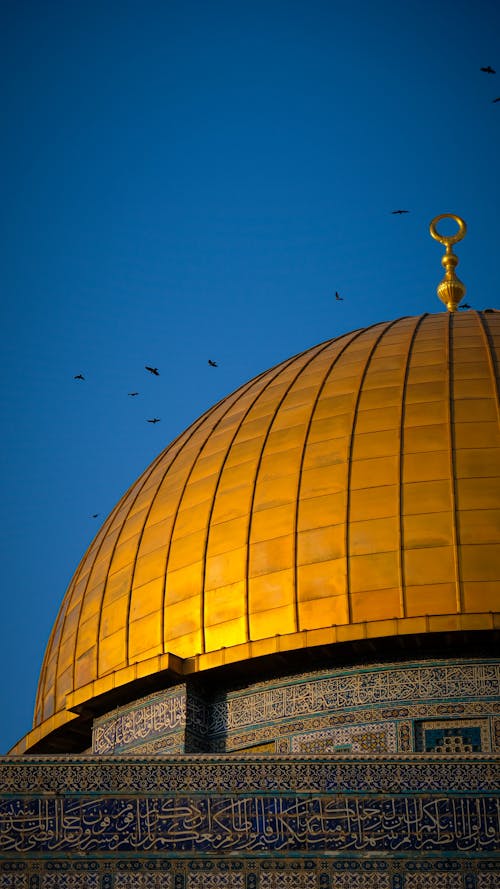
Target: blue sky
<point x="185" y="180"/>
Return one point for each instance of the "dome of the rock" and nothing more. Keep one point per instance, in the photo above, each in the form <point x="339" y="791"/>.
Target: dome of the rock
<point x="349" y="496"/>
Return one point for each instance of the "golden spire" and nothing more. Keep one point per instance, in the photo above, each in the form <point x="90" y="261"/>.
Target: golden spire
<point x="451" y="290"/>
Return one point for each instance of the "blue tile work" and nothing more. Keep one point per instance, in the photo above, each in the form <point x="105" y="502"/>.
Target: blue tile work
<point x="255" y="822"/>
<point x="362" y="709"/>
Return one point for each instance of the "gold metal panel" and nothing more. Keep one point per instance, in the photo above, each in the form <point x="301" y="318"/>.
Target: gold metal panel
<point x="198" y="492"/>
<point x="187" y="549"/>
<point x="272" y="622"/>
<point x="255" y="428"/>
<point x="118" y="584"/>
<point x="465" y="370"/>
<point x="380" y="604"/>
<point x="434" y="437"/>
<point x="428" y="357"/>
<point x="112" y="653"/>
<point x="316" y="613"/>
<point x="225" y="536"/>
<point x="332" y="405"/>
<point x="479" y="526"/>
<point x="134" y="524"/>
<point x="430" y="598"/>
<point x="227" y="568"/>
<point x="322" y="580"/>
<point x="477" y="435"/>
<point x="244" y="451"/>
<point x="478" y="493"/>
<point x="374" y="473"/>
<point x="428" y="529"/>
<point x="321" y="544"/>
<point x="91" y="604"/>
<point x="280" y="440"/>
<point x="376" y="571"/>
<point x="63" y="686"/>
<point x="374" y="503"/>
<point x="386" y="396"/>
<point x="189" y="520"/>
<point x="320" y="481"/>
<point x="237" y="475"/>
<point x="114" y="617"/>
<point x="226" y="634"/>
<point x="273" y="522"/>
<point x="226" y="603"/>
<point x="429" y="565"/>
<point x="279" y="464"/>
<point x="302" y="396"/>
<point x="481" y="596"/>
<point x="396" y="362"/>
<point x="232" y="504"/>
<point x="373" y="536"/>
<point x="207" y="466"/>
<point x="155" y="536"/>
<point x="271" y="591"/>
<point x="470" y="410"/>
<point x="124" y="554"/>
<point x="316" y="512"/>
<point x="85" y="667"/>
<point x="270" y="555"/>
<point x="480" y="562"/>
<point x="376" y="379"/>
<point x="423" y="497"/>
<point x="376" y="421"/>
<point x="147" y="599"/>
<point x="185" y="583"/>
<point x="66" y="653"/>
<point x="150" y="566"/>
<point x="376" y="444"/>
<point x="336" y="427"/>
<point x="98" y="574"/>
<point x="434" y="466"/>
<point x="469" y="389"/>
<point x="275" y="492"/>
<point x="320" y="453"/>
<point x="425" y="413"/>
<point x="431" y="390"/>
<point x="145" y="636"/>
<point x="87" y="634"/>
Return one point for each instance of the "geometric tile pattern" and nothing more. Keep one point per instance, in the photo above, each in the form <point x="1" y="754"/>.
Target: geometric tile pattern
<point x="363" y="709"/>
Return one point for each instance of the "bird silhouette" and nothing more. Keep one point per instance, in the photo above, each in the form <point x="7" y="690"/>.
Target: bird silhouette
<point x="396" y="212"/>
<point x="496" y="100"/>
<point x="212" y="363"/>
<point x="464" y="306"/>
<point x="488" y="70"/>
<point x="79" y="377"/>
<point x="94" y="516"/>
<point x="133" y="393"/>
<point x="153" y="370"/>
<point x="339" y="297"/>
<point x="154" y="420"/>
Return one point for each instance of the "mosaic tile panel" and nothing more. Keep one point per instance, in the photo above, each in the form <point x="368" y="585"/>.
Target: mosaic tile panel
<point x="181" y="719"/>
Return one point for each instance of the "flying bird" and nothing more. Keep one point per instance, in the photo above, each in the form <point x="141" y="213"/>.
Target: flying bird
<point x="79" y="377"/>
<point x="154" y="420"/>
<point x="212" y="363"/>
<point x="464" y="306"/>
<point x="153" y="370"/>
<point x="488" y="70"/>
<point x="496" y="100"/>
<point x="395" y="212"/>
<point x="133" y="393"/>
<point x="339" y="297"/>
<point x="95" y="515"/>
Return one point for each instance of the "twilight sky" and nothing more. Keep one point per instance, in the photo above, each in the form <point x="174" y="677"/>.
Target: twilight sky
<point x="186" y="180"/>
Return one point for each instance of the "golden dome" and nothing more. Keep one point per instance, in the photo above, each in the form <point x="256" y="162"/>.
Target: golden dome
<point x="351" y="492"/>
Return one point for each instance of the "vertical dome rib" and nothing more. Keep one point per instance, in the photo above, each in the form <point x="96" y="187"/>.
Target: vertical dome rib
<point x="401" y="540"/>
<point x="452" y="447"/>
